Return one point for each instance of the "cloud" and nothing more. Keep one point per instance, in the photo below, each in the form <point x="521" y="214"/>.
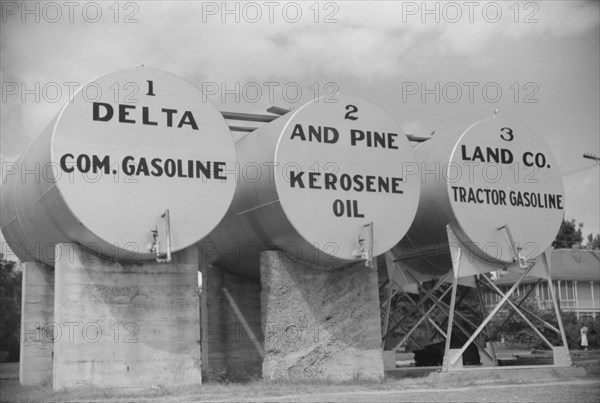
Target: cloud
<point x="371" y="42"/>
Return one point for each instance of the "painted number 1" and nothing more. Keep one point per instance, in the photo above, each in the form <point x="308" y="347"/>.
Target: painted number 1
<point x="150" y="88"/>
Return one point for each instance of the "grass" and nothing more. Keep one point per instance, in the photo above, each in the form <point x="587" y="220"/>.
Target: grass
<point x="12" y="391"/>
<point x="222" y="388"/>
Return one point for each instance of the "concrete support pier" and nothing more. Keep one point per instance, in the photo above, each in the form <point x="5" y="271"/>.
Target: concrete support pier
<point x="37" y="324"/>
<point x="319" y="323"/>
<point x="231" y="327"/>
<point x="125" y="324"/>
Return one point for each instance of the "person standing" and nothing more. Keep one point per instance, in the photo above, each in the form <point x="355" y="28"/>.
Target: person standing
<point x="584" y="339"/>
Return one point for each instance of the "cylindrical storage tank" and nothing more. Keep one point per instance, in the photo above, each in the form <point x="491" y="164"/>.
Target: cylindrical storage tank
<point x="495" y="175"/>
<point x="311" y="180"/>
<point x="128" y="146"/>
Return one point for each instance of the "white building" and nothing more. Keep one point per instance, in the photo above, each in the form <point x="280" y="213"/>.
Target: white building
<point x="576" y="279"/>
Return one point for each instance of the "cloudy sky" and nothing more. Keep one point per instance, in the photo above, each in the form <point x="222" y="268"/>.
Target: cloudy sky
<point x="538" y="62"/>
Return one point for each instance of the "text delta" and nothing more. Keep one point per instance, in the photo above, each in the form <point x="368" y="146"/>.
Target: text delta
<point x="103" y="112"/>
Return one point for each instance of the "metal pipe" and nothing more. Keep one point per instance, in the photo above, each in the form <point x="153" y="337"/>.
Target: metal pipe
<point x="249" y="117"/>
<point x="166" y="215"/>
<point x="417" y="139"/>
<point x="516" y="250"/>
<point x="369" y="262"/>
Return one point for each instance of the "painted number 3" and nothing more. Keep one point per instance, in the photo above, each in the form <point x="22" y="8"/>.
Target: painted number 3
<point x="507" y="134"/>
<point x="351" y="110"/>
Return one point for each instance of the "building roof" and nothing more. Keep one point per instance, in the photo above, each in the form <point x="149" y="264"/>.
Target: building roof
<point x="565" y="264"/>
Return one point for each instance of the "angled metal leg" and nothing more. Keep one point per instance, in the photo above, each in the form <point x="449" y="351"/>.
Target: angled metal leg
<point x="444" y="308"/>
<point x="428" y="295"/>
<point x="446" y="364"/>
<point x="494" y="358"/>
<point x="387" y="311"/>
<point x="554" y="301"/>
<point x="416" y="325"/>
<point x="527" y="311"/>
<point x="562" y="357"/>
<point x="521" y="302"/>
<point x="429" y="320"/>
<point x="517" y="310"/>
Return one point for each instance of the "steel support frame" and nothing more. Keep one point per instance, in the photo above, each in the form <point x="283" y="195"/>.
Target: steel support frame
<point x="517" y="310"/>
<point x="450" y="361"/>
<point x="439" y="283"/>
<point x="397" y="323"/>
<point x="527" y="311"/>
<point x="446" y="310"/>
<point x="419" y="305"/>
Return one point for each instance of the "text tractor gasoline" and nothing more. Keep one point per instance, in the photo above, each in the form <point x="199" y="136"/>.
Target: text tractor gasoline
<point x="499" y="156"/>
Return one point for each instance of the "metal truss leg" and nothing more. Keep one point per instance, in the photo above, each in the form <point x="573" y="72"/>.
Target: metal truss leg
<point x="446" y="363"/>
<point x="455" y="358"/>
<point x="494" y="357"/>
<point x="415" y="309"/>
<point x="416" y="325"/>
<point x="561" y="355"/>
<point x="517" y="310"/>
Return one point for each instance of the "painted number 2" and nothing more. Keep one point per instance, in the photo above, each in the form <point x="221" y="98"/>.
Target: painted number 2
<point x="351" y="110"/>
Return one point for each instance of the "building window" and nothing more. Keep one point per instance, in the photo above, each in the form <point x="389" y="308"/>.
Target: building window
<point x="544" y="294"/>
<point x="567" y="290"/>
<point x="567" y="295"/>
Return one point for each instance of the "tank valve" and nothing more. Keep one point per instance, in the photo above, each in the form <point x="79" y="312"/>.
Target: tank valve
<point x="154" y="246"/>
<point x="359" y="253"/>
<point x="518" y="258"/>
<point x="362" y="253"/>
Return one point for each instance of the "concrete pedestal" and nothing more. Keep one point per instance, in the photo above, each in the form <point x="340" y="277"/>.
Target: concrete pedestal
<point x="37" y="324"/>
<point x="458" y="364"/>
<point x="389" y="360"/>
<point x="231" y="327"/>
<point x="126" y="324"/>
<point x="318" y="323"/>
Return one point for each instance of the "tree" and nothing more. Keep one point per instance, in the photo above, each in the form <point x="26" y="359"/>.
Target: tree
<point x="593" y="242"/>
<point x="568" y="235"/>
<point x="10" y="307"/>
